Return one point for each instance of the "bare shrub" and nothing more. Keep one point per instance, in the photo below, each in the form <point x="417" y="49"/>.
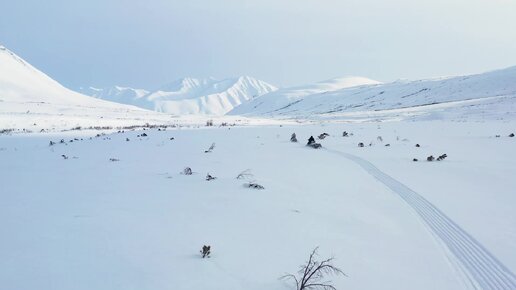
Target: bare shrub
<point x="323" y="135"/>
<point x="205" y="251"/>
<point x="254" y="185"/>
<point x="210" y="149"/>
<point x="312" y="275"/>
<point x="246" y="174"/>
<point x="187" y="171"/>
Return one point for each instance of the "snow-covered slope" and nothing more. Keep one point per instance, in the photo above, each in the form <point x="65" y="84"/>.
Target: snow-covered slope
<point x="498" y="88"/>
<point x="21" y="82"/>
<point x="281" y="98"/>
<point x="28" y="97"/>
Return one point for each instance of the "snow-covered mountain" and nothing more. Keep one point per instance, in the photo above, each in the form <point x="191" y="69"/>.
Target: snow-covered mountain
<point x="281" y="98"/>
<point x="493" y="92"/>
<point x="207" y="96"/>
<point x="189" y="96"/>
<point x="31" y="99"/>
<point x="115" y="94"/>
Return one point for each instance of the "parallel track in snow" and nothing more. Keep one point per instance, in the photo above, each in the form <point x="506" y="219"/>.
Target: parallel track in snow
<point x="481" y="269"/>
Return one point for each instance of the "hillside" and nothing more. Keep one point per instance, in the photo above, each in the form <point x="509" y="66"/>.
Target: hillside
<point x="492" y="94"/>
<point x="32" y="100"/>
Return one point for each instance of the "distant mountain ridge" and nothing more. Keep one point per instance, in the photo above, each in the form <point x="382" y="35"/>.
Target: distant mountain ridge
<point x="189" y="96"/>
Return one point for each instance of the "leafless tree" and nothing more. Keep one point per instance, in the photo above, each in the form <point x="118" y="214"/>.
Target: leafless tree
<point x="312" y="274"/>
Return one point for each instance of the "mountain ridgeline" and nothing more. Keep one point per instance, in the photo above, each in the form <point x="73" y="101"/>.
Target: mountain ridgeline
<point x="189" y="96"/>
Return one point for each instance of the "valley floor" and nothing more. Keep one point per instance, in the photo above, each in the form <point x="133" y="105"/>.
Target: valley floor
<point x="86" y="222"/>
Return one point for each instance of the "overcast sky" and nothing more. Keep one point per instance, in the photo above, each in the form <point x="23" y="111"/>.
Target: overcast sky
<point x="285" y="42"/>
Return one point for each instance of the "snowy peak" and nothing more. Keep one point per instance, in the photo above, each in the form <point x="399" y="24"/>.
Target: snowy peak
<point x="207" y="96"/>
<point x="187" y="96"/>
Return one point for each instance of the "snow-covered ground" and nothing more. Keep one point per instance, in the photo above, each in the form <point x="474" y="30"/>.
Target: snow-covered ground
<point x="90" y="223"/>
<point x="97" y="208"/>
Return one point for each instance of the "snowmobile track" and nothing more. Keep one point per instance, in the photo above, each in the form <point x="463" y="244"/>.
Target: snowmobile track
<point x="481" y="269"/>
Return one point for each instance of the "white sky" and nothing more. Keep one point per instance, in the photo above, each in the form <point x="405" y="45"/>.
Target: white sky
<point x="285" y="42"/>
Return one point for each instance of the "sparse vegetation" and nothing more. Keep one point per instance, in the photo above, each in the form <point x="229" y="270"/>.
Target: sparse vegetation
<point x="311" y="143"/>
<point x="205" y="251"/>
<point x="246" y="174"/>
<point x="312" y="275"/>
<point x="442" y="157"/>
<point x="210" y="149"/>
<point x="323" y="135"/>
<point x="254" y="185"/>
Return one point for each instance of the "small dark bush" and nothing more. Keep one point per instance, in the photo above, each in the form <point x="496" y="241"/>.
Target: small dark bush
<point x="205" y="251"/>
<point x="254" y="185"/>
<point x="442" y="157"/>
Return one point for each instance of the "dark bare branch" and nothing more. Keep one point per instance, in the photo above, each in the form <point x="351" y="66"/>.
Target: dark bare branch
<point x="313" y="271"/>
